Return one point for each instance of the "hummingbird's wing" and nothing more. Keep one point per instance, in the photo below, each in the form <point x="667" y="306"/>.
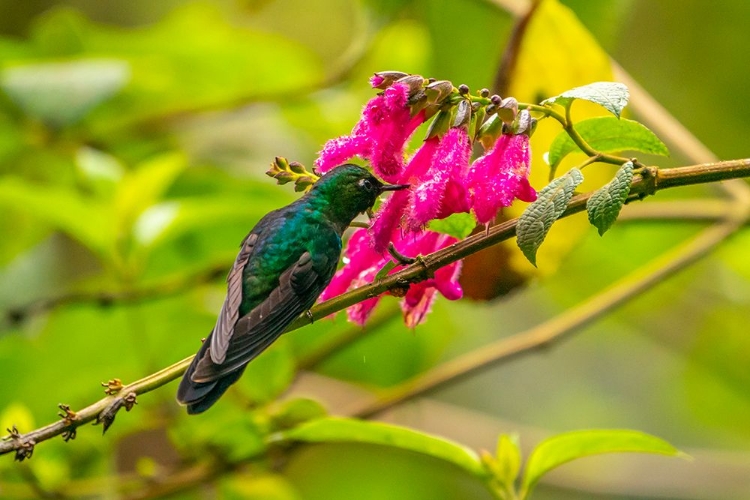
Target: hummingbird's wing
<point x="299" y="287"/>
<point x="230" y="311"/>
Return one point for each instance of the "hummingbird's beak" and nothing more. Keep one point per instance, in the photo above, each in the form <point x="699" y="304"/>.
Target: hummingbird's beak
<point x="394" y="187"/>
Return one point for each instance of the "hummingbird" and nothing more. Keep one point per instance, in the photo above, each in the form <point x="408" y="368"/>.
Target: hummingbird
<point x="284" y="264"/>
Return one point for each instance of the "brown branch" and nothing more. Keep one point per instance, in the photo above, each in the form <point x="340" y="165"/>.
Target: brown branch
<point x="648" y="181"/>
<point x="559" y="327"/>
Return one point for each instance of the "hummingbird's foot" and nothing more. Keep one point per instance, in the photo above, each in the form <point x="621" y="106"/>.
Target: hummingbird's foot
<point x="112" y="387"/>
<point x="309" y="315"/>
<point x="399" y="257"/>
<point x="363" y="225"/>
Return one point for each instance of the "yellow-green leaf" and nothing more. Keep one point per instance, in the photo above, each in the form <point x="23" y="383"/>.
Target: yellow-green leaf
<point x="569" y="446"/>
<point x="344" y="430"/>
<point x="607" y="134"/>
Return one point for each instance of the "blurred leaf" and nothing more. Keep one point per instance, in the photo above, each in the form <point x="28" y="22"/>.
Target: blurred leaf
<point x="537" y="219"/>
<point x="607" y="134"/>
<point x="612" y="96"/>
<point x="236" y="434"/>
<point x="509" y="458"/>
<point x="18" y="415"/>
<point x="467" y="40"/>
<point x="269" y="374"/>
<point x="144" y="186"/>
<point x="341" y="430"/>
<point x="193" y="59"/>
<point x="249" y="485"/>
<point x="297" y="411"/>
<point x="11" y="138"/>
<point x="61" y="93"/>
<point x="563" y="448"/>
<point x="457" y="225"/>
<point x="165" y="221"/>
<point x="605" y="204"/>
<point x="99" y="171"/>
<point x="84" y="220"/>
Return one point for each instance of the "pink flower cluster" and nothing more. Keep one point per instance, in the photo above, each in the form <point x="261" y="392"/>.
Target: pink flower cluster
<point x="444" y="182"/>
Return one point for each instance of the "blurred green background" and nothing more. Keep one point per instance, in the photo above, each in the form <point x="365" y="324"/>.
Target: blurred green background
<point x="134" y="137"/>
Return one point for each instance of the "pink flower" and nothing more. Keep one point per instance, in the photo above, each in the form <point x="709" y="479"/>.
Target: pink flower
<point x="363" y="265"/>
<point x="441" y="190"/>
<point x="391" y="213"/>
<point x="500" y="176"/>
<point x="379" y="136"/>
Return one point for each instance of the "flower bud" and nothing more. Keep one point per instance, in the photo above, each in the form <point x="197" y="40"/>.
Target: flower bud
<point x="496" y="100"/>
<point x="384" y="79"/>
<point x="439" y="90"/>
<point x="508" y="109"/>
<point x="490" y="131"/>
<point x="297" y="167"/>
<point x="440" y="124"/>
<point x="524" y="124"/>
<point x="477" y="119"/>
<point x="414" y="82"/>
<point x="463" y="114"/>
<point x="463" y="89"/>
<point x="484" y="93"/>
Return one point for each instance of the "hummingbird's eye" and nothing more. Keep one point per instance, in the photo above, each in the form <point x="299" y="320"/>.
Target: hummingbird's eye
<point x="366" y="183"/>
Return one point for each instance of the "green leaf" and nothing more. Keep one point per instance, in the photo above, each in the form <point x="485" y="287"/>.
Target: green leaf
<point x="605" y="204"/>
<point x="607" y="134"/>
<point x="82" y="219"/>
<point x="457" y="225"/>
<point x="612" y="96"/>
<point x="296" y="412"/>
<point x="508" y="458"/>
<point x="343" y="430"/>
<point x="168" y="220"/>
<point x="62" y="93"/>
<point x="569" y="446"/>
<point x="534" y="223"/>
<point x="270" y="374"/>
<point x="144" y="186"/>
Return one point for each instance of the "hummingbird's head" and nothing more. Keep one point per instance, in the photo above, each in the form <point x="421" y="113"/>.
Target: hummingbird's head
<point x="349" y="190"/>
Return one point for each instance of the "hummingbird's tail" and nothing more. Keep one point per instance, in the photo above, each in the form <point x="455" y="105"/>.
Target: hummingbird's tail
<point x="200" y="396"/>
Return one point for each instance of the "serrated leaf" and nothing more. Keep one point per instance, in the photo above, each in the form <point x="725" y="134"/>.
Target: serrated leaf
<point x="534" y="223"/>
<point x="612" y="96"/>
<point x="344" y="430"/>
<point x="569" y="446"/>
<point x="605" y="204"/>
<point x="607" y="134"/>
<point x="458" y="225"/>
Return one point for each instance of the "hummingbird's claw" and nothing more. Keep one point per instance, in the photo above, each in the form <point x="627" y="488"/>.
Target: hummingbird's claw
<point x="399" y="257"/>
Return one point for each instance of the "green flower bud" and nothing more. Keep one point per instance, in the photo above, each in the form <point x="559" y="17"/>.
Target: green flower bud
<point x="440" y="124"/>
<point x="439" y="90"/>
